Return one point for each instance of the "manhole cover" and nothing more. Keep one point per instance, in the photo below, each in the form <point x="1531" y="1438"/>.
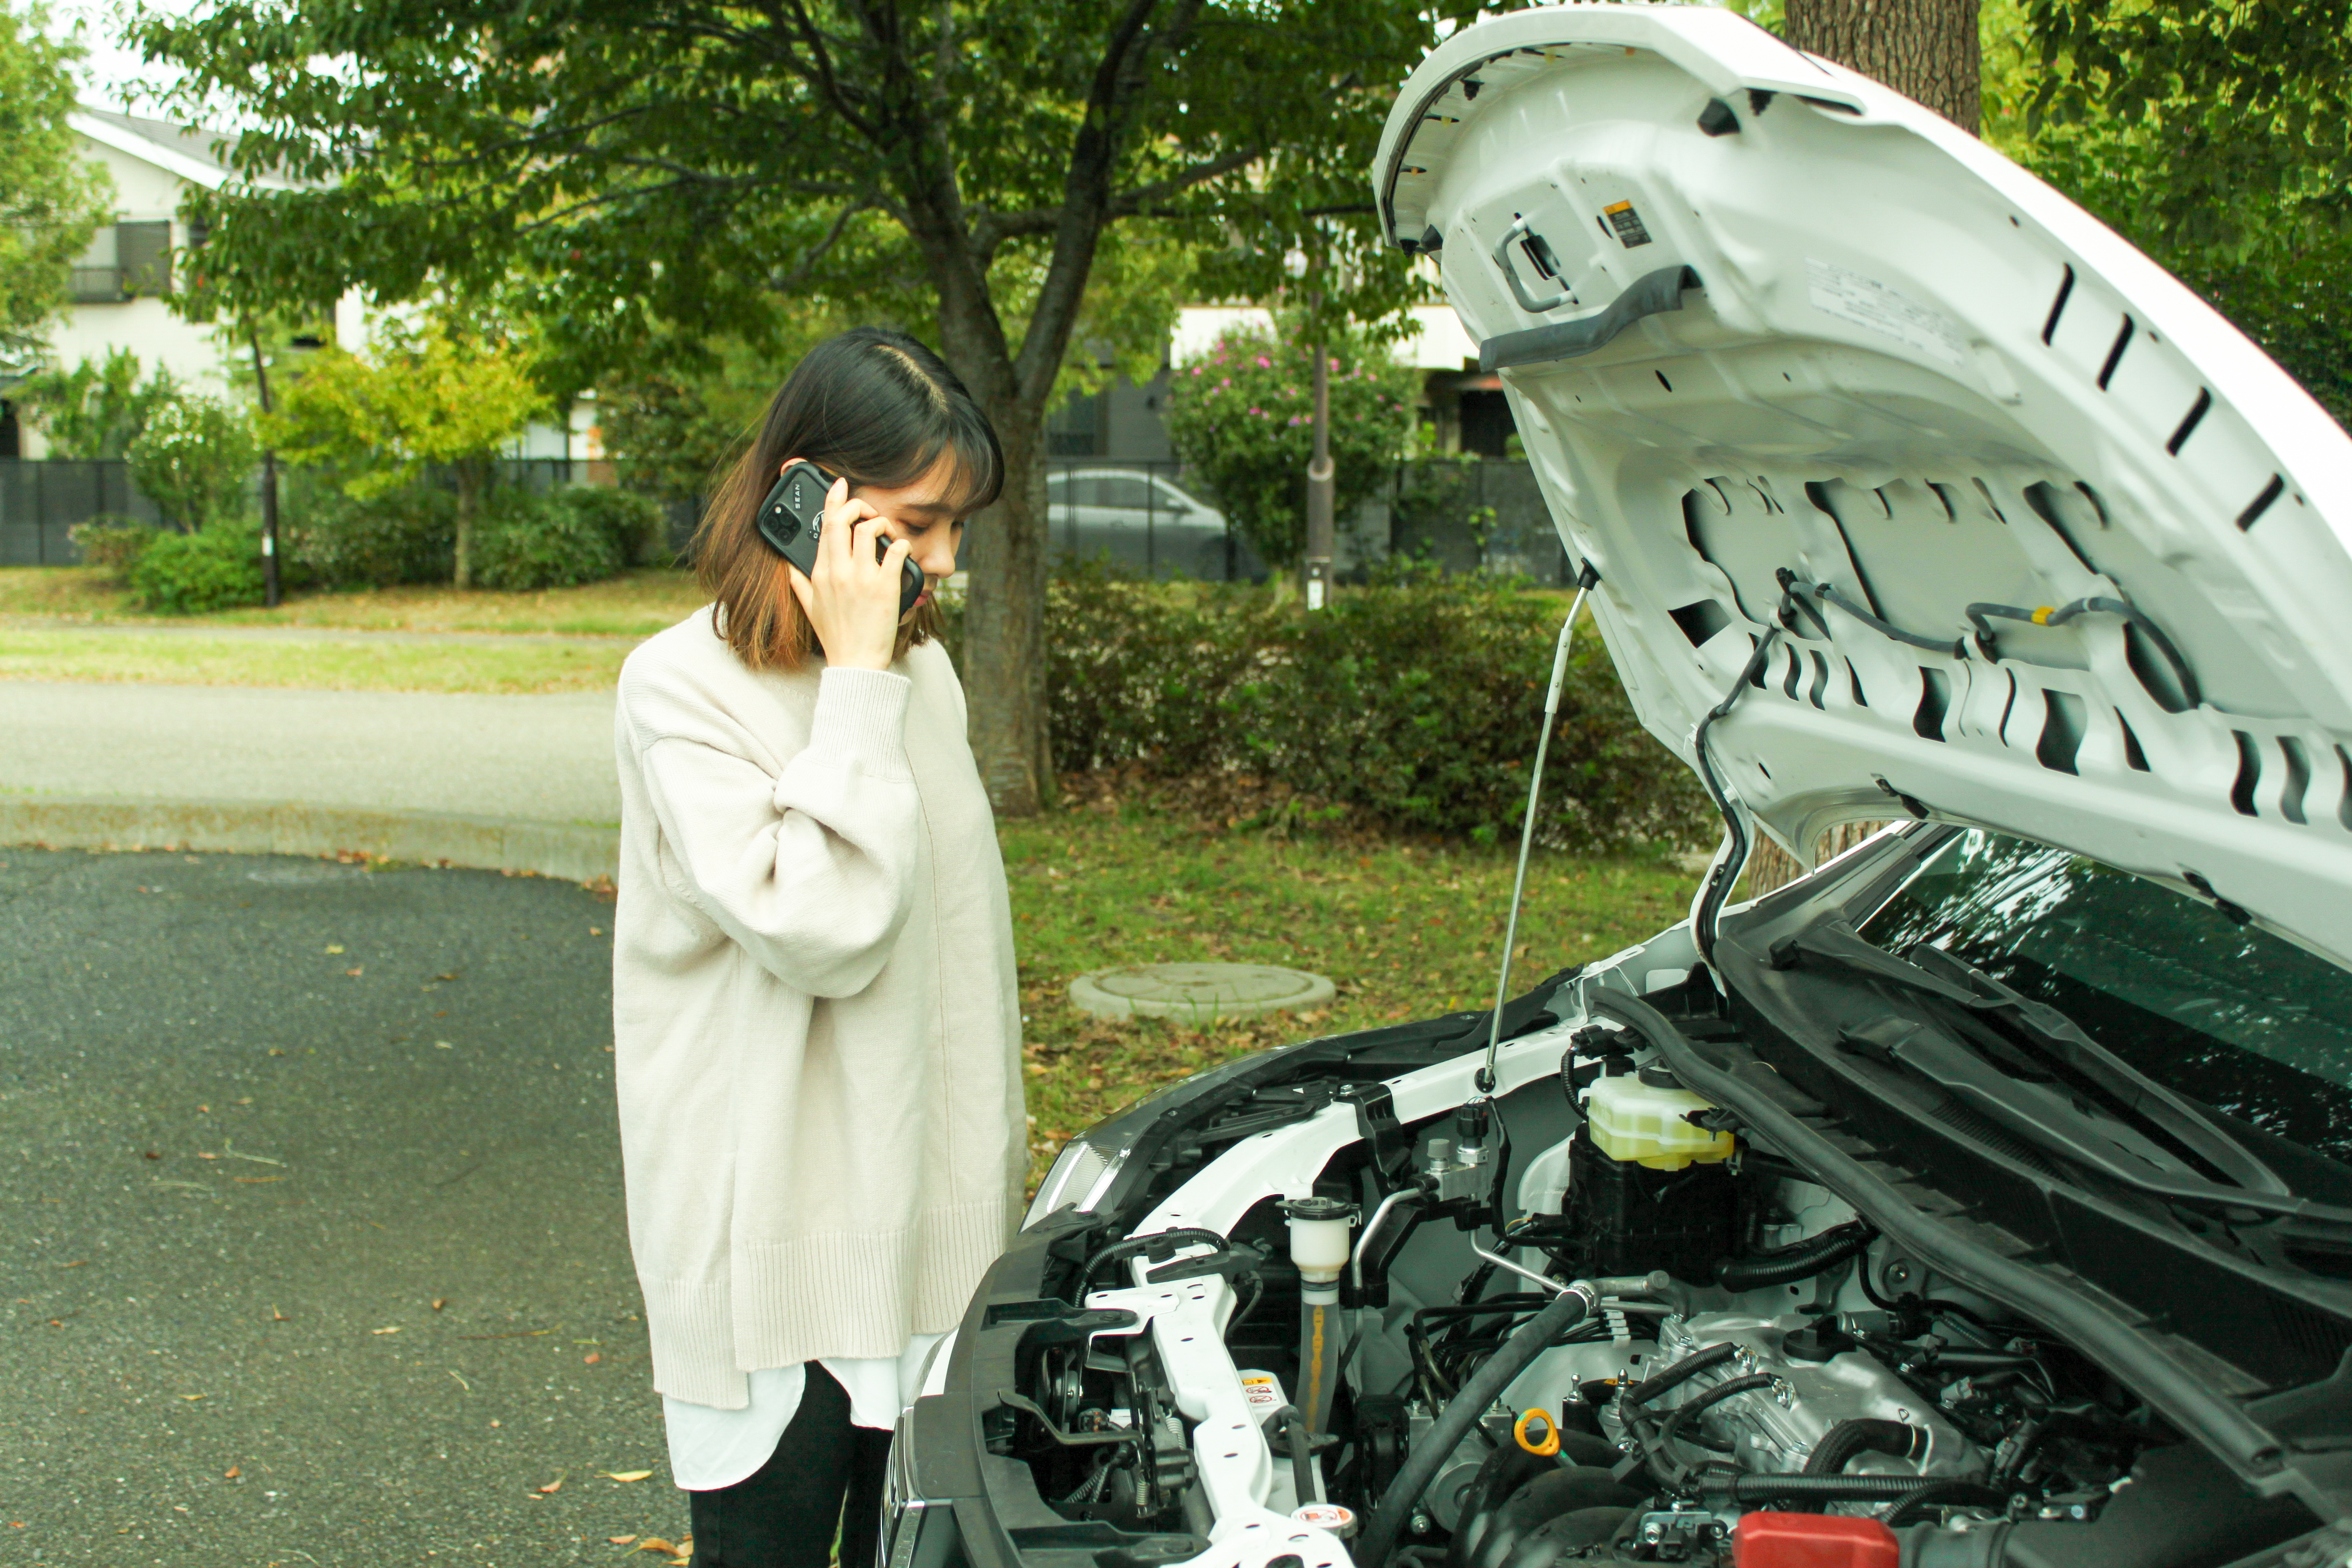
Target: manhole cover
<point x="1198" y="993"/>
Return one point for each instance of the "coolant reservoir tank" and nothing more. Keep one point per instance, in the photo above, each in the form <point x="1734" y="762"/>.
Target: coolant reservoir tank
<point x="1642" y="1117"/>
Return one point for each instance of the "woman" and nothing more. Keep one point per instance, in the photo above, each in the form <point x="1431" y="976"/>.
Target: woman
<point x="813" y="1001"/>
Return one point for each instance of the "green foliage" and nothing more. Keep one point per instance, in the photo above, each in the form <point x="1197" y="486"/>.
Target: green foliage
<point x="111" y="543"/>
<point x="2208" y="176"/>
<point x="530" y="542"/>
<point x="394" y="537"/>
<point x="2252" y="103"/>
<point x="195" y="573"/>
<point x="692" y="162"/>
<point x="637" y="528"/>
<point x="1414" y="701"/>
<point x="99" y="407"/>
<point x="50" y="199"/>
<point x="194" y="457"/>
<point x="1242" y="416"/>
<point x="430" y="395"/>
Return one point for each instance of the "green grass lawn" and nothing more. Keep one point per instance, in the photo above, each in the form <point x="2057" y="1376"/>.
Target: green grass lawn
<point x="524" y="665"/>
<point x="634" y="604"/>
<point x="1404" y="930"/>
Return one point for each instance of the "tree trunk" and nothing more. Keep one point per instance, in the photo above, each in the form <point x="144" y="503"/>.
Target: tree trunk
<point x="1924" y="49"/>
<point x="468" y="485"/>
<point x="1770" y="867"/>
<point x="1003" y="652"/>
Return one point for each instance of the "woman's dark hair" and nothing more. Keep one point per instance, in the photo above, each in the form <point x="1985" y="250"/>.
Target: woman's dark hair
<point x="874" y="407"/>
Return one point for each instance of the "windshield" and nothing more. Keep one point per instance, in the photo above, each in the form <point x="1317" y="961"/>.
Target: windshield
<point x="2226" y="1014"/>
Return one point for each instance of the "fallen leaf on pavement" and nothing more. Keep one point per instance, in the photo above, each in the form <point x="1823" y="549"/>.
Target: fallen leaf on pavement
<point x="439" y="1302"/>
<point x="655" y="1544"/>
<point x="192" y="1396"/>
<point x="390" y="1330"/>
<point x="555" y="1486"/>
<point x="250" y="1180"/>
<point x="620" y="1540"/>
<point x="230" y="1473"/>
<point x="592" y="1357"/>
<point x="151" y="1153"/>
<point x="355" y="973"/>
<point x="443" y="1044"/>
<point x="335" y="947"/>
<point x="624" y="1475"/>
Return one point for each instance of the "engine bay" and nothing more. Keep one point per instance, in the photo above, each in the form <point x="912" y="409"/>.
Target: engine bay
<point x="1575" y="1320"/>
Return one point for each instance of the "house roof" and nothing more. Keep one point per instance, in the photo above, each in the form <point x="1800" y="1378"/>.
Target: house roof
<point x="192" y="153"/>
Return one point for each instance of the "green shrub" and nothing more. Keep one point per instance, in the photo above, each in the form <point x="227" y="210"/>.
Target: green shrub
<point x="525" y="542"/>
<point x="635" y="522"/>
<point x="112" y="542"/>
<point x="406" y="535"/>
<point x="192" y="574"/>
<point x="193" y="459"/>
<point x="1414" y="701"/>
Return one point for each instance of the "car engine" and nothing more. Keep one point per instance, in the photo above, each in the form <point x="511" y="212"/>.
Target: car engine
<point x="1572" y="1323"/>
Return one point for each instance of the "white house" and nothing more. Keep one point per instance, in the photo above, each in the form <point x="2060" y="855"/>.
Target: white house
<point x="120" y="281"/>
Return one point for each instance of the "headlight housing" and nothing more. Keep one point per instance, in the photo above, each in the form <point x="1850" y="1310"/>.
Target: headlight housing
<point x="1082" y="1172"/>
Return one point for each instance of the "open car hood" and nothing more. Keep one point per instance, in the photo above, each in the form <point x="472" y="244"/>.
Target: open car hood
<point x="1759" y="316"/>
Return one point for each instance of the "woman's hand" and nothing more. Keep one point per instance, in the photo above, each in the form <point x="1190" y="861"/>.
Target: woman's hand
<point x="852" y="599"/>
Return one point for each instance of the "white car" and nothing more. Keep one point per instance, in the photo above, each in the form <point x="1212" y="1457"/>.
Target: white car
<point x="1983" y="1199"/>
<point x="1144" y="522"/>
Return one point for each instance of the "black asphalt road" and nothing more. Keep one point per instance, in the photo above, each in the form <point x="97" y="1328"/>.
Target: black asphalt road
<point x="313" y="1231"/>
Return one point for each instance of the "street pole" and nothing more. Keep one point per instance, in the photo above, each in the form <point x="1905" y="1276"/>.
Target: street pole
<point x="269" y="481"/>
<point x="1320" y="542"/>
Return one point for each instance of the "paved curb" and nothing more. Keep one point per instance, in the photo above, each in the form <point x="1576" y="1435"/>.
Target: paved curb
<point x="578" y="854"/>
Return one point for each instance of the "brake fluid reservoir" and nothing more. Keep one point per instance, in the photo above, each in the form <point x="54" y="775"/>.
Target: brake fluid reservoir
<point x="1642" y="1118"/>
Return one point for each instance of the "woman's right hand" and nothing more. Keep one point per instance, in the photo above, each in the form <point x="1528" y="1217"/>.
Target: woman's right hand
<point x="852" y="599"/>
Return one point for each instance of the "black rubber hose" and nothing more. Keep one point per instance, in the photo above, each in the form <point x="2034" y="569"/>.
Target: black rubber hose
<point x="1806" y="1258"/>
<point x="1940" y="1493"/>
<point x="1726" y="869"/>
<point x="1846" y="1488"/>
<point x="1302" y="1456"/>
<point x="1683" y="1371"/>
<point x="1437" y="1445"/>
<point x="1187" y="1237"/>
<point x="1752" y="1383"/>
<point x="1864" y="1434"/>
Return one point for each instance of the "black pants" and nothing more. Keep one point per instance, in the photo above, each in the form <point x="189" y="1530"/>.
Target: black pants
<point x="783" y="1514"/>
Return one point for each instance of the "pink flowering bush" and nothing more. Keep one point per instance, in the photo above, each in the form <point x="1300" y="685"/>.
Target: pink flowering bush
<point x="1242" y="418"/>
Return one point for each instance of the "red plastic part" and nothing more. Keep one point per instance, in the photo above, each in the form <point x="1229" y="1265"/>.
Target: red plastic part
<point x="1812" y="1540"/>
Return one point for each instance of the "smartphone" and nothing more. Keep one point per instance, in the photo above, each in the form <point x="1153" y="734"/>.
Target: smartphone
<point x="793" y="518"/>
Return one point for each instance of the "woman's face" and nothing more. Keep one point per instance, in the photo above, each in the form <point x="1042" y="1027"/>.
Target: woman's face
<point x="918" y="513"/>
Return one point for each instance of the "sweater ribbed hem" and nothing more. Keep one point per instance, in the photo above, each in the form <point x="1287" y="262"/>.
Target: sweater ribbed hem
<point x="691" y="1331"/>
<point x="861" y="718"/>
<point x="861" y="1293"/>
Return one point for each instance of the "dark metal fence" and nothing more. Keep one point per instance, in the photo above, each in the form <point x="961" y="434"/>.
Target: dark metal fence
<point x="42" y="498"/>
<point x="40" y="501"/>
<point x="1480" y="515"/>
<point x="1154" y="517"/>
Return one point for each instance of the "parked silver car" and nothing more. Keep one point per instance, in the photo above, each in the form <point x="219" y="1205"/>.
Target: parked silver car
<point x="1141" y="521"/>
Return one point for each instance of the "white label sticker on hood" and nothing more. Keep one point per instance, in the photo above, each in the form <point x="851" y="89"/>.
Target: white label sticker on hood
<point x="1867" y="302"/>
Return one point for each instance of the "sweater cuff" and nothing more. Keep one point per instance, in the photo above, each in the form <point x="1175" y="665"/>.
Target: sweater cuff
<point x="861" y="720"/>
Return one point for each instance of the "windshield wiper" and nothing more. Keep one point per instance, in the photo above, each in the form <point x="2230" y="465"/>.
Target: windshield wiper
<point x="2047" y="1117"/>
<point x="2062" y="1038"/>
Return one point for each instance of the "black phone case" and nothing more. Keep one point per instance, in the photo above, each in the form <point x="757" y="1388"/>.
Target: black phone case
<point x="793" y="518"/>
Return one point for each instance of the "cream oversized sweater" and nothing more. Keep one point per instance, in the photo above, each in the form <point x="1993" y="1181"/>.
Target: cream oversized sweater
<point x="814" y="1011"/>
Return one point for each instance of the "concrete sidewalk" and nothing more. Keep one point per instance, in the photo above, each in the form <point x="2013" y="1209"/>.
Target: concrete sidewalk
<point x="514" y="783"/>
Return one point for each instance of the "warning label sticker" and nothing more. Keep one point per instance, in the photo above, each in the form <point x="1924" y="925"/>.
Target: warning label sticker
<point x="1867" y="302"/>
<point x="1626" y="223"/>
